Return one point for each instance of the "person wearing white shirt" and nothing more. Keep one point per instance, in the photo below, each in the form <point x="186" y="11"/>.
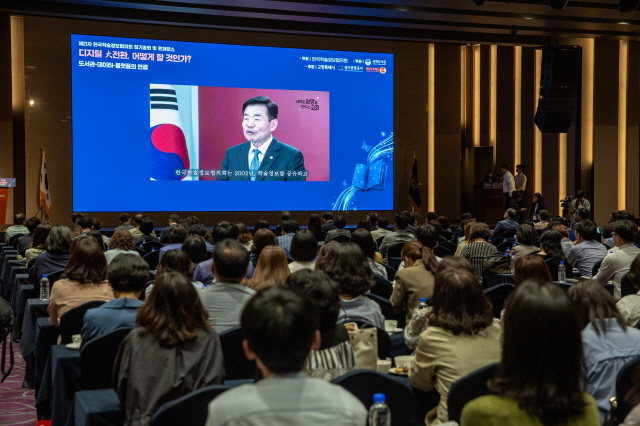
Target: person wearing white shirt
<point x="508" y="184"/>
<point x="520" y="181"/>
<point x="618" y="261"/>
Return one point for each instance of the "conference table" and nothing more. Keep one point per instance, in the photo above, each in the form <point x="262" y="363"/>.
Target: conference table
<point x="60" y="381"/>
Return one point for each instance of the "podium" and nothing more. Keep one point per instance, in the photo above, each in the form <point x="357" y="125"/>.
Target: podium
<point x="5" y="184"/>
<point x="490" y="202"/>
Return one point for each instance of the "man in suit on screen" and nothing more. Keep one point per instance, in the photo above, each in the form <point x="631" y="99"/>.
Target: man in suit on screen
<point x="262" y="157"/>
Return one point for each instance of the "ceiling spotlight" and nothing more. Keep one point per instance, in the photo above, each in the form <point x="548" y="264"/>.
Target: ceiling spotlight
<point x="478" y="2"/>
<point x="558" y="4"/>
<point x="628" y="5"/>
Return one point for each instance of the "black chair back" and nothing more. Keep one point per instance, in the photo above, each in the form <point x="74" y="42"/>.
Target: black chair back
<point x="23" y="251"/>
<point x="341" y="239"/>
<point x="394" y="263"/>
<point x="53" y="277"/>
<point x="391" y="273"/>
<point x="382" y="287"/>
<point x="624" y="382"/>
<point x="152" y="259"/>
<point x="447" y="234"/>
<point x="385" y="305"/>
<point x="379" y="241"/>
<point x="31" y="263"/>
<point x="13" y="241"/>
<point x="142" y="252"/>
<point x="441" y="251"/>
<point x="626" y="287"/>
<point x="193" y="406"/>
<point x="497" y="241"/>
<point x="395" y="250"/>
<point x="448" y="245"/>
<point x="71" y="321"/>
<point x="468" y="388"/>
<point x="384" y="341"/>
<point x="151" y="245"/>
<point x="498" y="295"/>
<point x="236" y="364"/>
<point x="595" y="268"/>
<point x="364" y="383"/>
<point x="97" y="357"/>
<point x="563" y="286"/>
<point x="504" y="246"/>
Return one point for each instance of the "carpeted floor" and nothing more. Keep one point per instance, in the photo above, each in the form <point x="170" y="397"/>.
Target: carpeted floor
<point x="16" y="404"/>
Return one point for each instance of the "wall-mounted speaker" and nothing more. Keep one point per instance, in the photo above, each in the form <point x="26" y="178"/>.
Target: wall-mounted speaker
<point x="559" y="85"/>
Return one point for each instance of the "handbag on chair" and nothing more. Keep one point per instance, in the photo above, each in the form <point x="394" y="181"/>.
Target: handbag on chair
<point x="364" y="342"/>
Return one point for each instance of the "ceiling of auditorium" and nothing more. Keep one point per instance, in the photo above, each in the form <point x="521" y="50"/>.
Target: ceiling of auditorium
<point x="496" y="21"/>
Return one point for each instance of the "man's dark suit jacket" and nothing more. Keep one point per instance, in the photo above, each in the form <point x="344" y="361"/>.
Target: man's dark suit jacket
<point x="329" y="226"/>
<point x="279" y="157"/>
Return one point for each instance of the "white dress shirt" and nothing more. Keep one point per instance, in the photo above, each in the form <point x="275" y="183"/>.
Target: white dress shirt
<point x="508" y="184"/>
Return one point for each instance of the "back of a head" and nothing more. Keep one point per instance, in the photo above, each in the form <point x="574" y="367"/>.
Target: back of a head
<point x="340" y="222"/>
<point x="347" y="265"/>
<point x="530" y="267"/>
<point x="373" y="218"/>
<point x="198" y="229"/>
<point x="583" y="214"/>
<point x="586" y="229"/>
<point x="634" y="272"/>
<point x="465" y="216"/>
<point x="551" y="243"/>
<point x="279" y="325"/>
<point x="444" y="222"/>
<point x="624" y="215"/>
<point x="285" y="215"/>
<point x="59" y="240"/>
<point x="96" y="235"/>
<point x="174" y="218"/>
<point x="195" y="248"/>
<point x="561" y="229"/>
<point x="428" y="235"/>
<point x="594" y="305"/>
<point x="172" y="312"/>
<point x="546" y="382"/>
<point x="75" y="216"/>
<point x="383" y="223"/>
<point x="364" y="224"/>
<point x="327" y="216"/>
<point x="467" y="228"/>
<point x="244" y="235"/>
<point x="185" y="221"/>
<point x="626" y="230"/>
<point x="230" y="259"/>
<point x="127" y="273"/>
<point x="262" y="238"/>
<point x="543" y="215"/>
<point x="40" y="235"/>
<point x="177" y="234"/>
<point x="526" y="234"/>
<point x="323" y="254"/>
<point x="580" y="194"/>
<point x="123" y="217"/>
<point x="516" y="195"/>
<point x="176" y="261"/>
<point x="402" y="221"/>
<point x="32" y="223"/>
<point x="455" y="263"/>
<point x="363" y="239"/>
<point x="304" y="246"/>
<point x="225" y="230"/>
<point x="315" y="224"/>
<point x="272" y="268"/>
<point x="260" y="224"/>
<point x="459" y="303"/>
<point x="431" y="216"/>
<point x="412" y="250"/>
<point x="479" y="230"/>
<point x="85" y="222"/>
<point x="121" y="240"/>
<point x="138" y="218"/>
<point x="19" y="219"/>
<point x="96" y="224"/>
<point x="511" y="213"/>
<point x="146" y="226"/>
<point x="87" y="263"/>
<point x="289" y="226"/>
<point x="323" y="291"/>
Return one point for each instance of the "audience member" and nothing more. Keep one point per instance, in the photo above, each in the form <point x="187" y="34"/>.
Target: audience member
<point x="195" y="248"/>
<point x="327" y="222"/>
<point x="86" y="279"/>
<point x="565" y="242"/>
<point x="25" y="240"/>
<point x="430" y="217"/>
<point x="399" y="236"/>
<point x="146" y="230"/>
<point x="364" y="224"/>
<point x="125" y="222"/>
<point x="536" y="209"/>
<point x="74" y="217"/>
<point x="284" y="216"/>
<point x="525" y="237"/>
<point x="415" y="281"/>
<point x="411" y="222"/>
<point x="121" y="243"/>
<point x="37" y="245"/>
<point x="272" y="269"/>
<point x="225" y="300"/>
<point x="97" y="226"/>
<point x="373" y="219"/>
<point x="55" y="256"/>
<point x="171" y="353"/>
<point x="18" y="227"/>
<point x="347" y="265"/>
<point x="199" y="230"/>
<point x="530" y="267"/>
<point x="629" y="306"/>
<point x="304" y="247"/>
<point x="607" y="342"/>
<point x="173" y="221"/>
<point x="363" y="239"/>
<point x="536" y="383"/>
<point x="607" y="235"/>
<point x="224" y="230"/>
<point x="261" y="224"/>
<point x="459" y="232"/>
<point x="508" y="184"/>
<point x="280" y="327"/>
<point x="514" y="203"/>
<point x="339" y="230"/>
<point x="618" y="262"/>
<point x="96" y="235"/>
<point x="543" y="220"/>
<point x="289" y="228"/>
<point x="128" y="275"/>
<point x="177" y="260"/>
<point x="478" y="248"/>
<point x="324" y="252"/>
<point x="176" y="236"/>
<point x="587" y="251"/>
<point x="335" y="355"/>
<point x="551" y="252"/>
<point x="579" y="201"/>
<point x="506" y="228"/>
<point x="84" y="224"/>
<point x="315" y="227"/>
<point x="137" y="219"/>
<point x="381" y="229"/>
<point x="262" y="239"/>
<point x="464" y="239"/>
<point x="462" y="336"/>
<point x="245" y="238"/>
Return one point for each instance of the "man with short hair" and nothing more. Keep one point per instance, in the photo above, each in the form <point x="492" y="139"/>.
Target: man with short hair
<point x="146" y="231"/>
<point x="381" y="228"/>
<point x="125" y="222"/>
<point x="586" y="251"/>
<point x="200" y="230"/>
<point x="411" y="227"/>
<point x="399" y="236"/>
<point x="580" y="201"/>
<point x="514" y="203"/>
<point x="284" y="215"/>
<point x="225" y="299"/>
<point x="25" y="240"/>
<point x="327" y="222"/>
<point x="74" y="217"/>
<point x="618" y="262"/>
<point x="137" y="219"/>
<point x="339" y="230"/>
<point x="128" y="275"/>
<point x="520" y="180"/>
<point x="506" y="228"/>
<point x="508" y="184"/>
<point x="176" y="236"/>
<point x="289" y="228"/>
<point x="84" y="224"/>
<point x="262" y="152"/>
<point x="280" y="327"/>
<point x="173" y="220"/>
<point x="18" y="227"/>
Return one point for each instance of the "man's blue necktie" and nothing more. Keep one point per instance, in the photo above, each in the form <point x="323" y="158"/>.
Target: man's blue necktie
<point x="255" y="164"/>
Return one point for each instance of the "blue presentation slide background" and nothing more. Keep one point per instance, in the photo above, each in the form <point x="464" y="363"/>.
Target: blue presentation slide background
<point x="111" y="123"/>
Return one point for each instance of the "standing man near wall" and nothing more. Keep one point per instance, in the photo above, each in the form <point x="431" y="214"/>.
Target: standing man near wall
<point x="520" y="180"/>
<point x="508" y="184"/>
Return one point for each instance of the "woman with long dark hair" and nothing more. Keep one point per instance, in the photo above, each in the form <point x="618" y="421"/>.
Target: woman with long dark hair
<point x="363" y="239"/>
<point x="552" y="253"/>
<point x="462" y="336"/>
<point x="36" y="247"/>
<point x="172" y="352"/>
<point x="315" y="227"/>
<point x="538" y="204"/>
<point x="537" y="383"/>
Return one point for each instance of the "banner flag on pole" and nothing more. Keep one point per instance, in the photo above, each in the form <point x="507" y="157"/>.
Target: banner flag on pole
<point x="45" y="196"/>
<point x="414" y="187"/>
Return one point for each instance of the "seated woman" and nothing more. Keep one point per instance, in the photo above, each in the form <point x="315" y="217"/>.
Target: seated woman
<point x="551" y="252"/>
<point x="176" y="260"/>
<point x="261" y="239"/>
<point x="86" y="279"/>
<point x="542" y="224"/>
<point x="607" y="342"/>
<point x="121" y="242"/>
<point x="415" y="281"/>
<point x="530" y="267"/>
<point x="537" y="384"/>
<point x="36" y="247"/>
<point x="525" y="236"/>
<point x="347" y="265"/>
<point x="478" y="248"/>
<point x="324" y="252"/>
<point x="304" y="248"/>
<point x="173" y="352"/>
<point x="335" y="356"/>
<point x="363" y="239"/>
<point x="315" y="227"/>
<point x="462" y="336"/>
<point x="55" y="256"/>
<point x="272" y="269"/>
<point x="629" y="306"/>
<point x="245" y="238"/>
<point x="464" y="240"/>
<point x="420" y="318"/>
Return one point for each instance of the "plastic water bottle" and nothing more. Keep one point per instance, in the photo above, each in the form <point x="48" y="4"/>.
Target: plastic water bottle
<point x="44" y="287"/>
<point x="562" y="272"/>
<point x="379" y="413"/>
<point x="509" y="253"/>
<point x="423" y="303"/>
